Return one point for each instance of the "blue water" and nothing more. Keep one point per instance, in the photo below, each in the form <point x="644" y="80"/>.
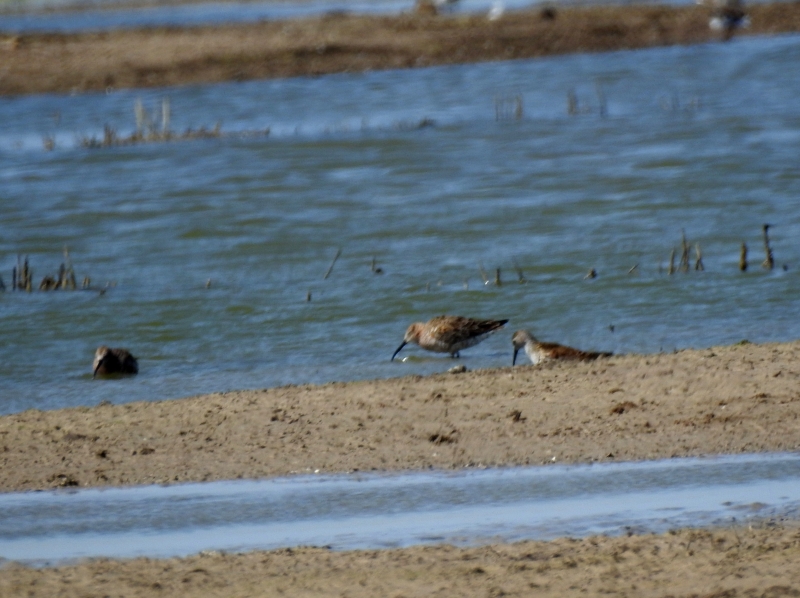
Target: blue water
<point x="703" y="139"/>
<point x="105" y="15"/>
<point x="382" y="511"/>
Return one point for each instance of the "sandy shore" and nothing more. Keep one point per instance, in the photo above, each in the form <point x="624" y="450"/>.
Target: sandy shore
<point x="36" y="63"/>
<point x="721" y="563"/>
<point x="742" y="398"/>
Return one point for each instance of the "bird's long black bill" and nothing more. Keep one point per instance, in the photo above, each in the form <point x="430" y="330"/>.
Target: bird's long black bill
<point x="398" y="350"/>
<point x="98" y="366"/>
<point x="514" y="360"/>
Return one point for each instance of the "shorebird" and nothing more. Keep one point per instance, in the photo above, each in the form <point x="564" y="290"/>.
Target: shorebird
<point x="114" y="361"/>
<point x="539" y="352"/>
<point x="449" y="334"/>
<point x="497" y="10"/>
<point x="726" y="16"/>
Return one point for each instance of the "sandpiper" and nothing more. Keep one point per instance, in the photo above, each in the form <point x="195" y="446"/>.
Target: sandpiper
<point x="114" y="361"/>
<point x="449" y="334"/>
<point x="539" y="352"/>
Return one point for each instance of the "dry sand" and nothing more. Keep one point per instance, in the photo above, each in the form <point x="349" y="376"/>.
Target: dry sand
<point x="35" y="63"/>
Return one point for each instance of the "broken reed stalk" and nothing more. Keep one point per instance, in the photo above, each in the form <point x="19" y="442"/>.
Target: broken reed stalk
<point x="743" y="257"/>
<point x="138" y="111"/>
<point x="147" y="130"/>
<point x="66" y="278"/>
<point x="109" y="135"/>
<point x="520" y="273"/>
<point x="22" y="276"/>
<point x="572" y="103"/>
<point x="508" y="108"/>
<point x="26" y="276"/>
<point x="684" y="266"/>
<point x="165" y="118"/>
<point x="601" y="98"/>
<point x="48" y="284"/>
<point x="497" y="281"/>
<point x="698" y="262"/>
<point x="333" y="263"/>
<point x="484" y="277"/>
<point x="633" y="269"/>
<point x="671" y="270"/>
<point x="769" y="260"/>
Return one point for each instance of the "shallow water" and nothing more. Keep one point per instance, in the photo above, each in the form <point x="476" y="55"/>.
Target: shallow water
<point x="101" y="15"/>
<point x="388" y="511"/>
<point x="104" y="15"/>
<point x="702" y="138"/>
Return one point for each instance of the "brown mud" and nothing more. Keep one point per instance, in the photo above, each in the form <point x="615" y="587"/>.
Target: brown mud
<point x="336" y="43"/>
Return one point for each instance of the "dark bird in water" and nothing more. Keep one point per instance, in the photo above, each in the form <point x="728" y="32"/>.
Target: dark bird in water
<point x="449" y="334"/>
<point x="539" y="352"/>
<point x="114" y="361"/>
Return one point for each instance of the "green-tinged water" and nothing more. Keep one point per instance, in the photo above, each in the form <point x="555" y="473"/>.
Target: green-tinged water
<point x="704" y="139"/>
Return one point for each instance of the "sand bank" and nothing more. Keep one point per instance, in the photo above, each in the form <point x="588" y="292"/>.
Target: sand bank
<point x="109" y="60"/>
<point x="741" y="398"/>
<point x="723" y="563"/>
<point x="719" y="400"/>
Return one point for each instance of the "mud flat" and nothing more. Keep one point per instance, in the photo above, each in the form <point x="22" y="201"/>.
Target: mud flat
<point x="104" y="61"/>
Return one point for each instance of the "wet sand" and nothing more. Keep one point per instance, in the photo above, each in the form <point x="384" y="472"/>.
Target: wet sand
<point x="735" y="399"/>
<point x="335" y="43"/>
<point x="759" y="561"/>
<point x="741" y="398"/>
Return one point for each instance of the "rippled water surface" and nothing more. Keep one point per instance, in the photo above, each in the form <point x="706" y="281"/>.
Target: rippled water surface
<point x="411" y="169"/>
